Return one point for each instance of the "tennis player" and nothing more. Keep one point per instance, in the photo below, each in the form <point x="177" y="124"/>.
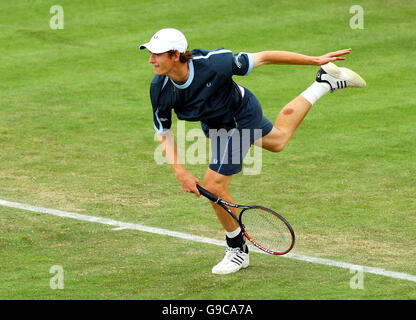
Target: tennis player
<point x="198" y="85"/>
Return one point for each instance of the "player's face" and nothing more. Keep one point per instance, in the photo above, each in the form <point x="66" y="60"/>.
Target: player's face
<point x="162" y="63"/>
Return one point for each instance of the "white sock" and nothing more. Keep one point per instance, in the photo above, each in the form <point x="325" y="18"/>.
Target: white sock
<point x="234" y="233"/>
<point x="315" y="91"/>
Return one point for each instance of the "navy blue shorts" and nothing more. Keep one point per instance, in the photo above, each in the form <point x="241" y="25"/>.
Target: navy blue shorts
<point x="229" y="147"/>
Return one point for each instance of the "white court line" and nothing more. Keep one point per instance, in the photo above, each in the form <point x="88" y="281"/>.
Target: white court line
<point x="119" y="225"/>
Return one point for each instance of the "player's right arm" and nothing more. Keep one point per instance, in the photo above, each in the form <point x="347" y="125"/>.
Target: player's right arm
<point x="162" y="121"/>
<point x="170" y="150"/>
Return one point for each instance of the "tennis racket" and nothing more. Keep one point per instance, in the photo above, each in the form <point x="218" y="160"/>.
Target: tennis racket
<point x="267" y="229"/>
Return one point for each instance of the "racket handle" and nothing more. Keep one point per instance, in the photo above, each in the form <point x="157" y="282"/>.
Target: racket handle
<point x="207" y="194"/>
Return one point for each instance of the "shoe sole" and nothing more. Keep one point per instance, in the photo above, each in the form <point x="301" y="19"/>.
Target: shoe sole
<point x="352" y="78"/>
<point x="242" y="267"/>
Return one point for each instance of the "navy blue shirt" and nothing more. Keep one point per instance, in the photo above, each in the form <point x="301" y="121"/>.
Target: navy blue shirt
<point x="209" y="95"/>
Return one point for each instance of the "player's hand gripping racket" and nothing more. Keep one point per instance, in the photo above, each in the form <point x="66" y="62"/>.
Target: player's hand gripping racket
<point x="267" y="229"/>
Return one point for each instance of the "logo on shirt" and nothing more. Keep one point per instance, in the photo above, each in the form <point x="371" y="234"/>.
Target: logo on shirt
<point x="237" y="60"/>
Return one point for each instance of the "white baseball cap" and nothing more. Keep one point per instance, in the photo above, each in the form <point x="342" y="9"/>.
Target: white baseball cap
<point x="165" y="40"/>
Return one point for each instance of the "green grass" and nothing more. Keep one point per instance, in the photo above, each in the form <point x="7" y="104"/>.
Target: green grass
<point x="102" y="264"/>
<point x="76" y="134"/>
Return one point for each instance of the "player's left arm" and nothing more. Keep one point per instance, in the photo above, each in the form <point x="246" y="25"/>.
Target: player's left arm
<point x="287" y="57"/>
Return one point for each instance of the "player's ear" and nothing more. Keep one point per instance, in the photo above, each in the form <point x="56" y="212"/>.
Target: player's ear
<point x="177" y="56"/>
<point x="174" y="54"/>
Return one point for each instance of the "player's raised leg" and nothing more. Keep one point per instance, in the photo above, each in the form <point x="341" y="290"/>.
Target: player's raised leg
<point x="329" y="78"/>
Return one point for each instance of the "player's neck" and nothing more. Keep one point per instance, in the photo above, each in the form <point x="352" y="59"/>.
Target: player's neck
<point x="180" y="74"/>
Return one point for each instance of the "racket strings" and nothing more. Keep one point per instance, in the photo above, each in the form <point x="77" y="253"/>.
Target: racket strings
<point x="267" y="229"/>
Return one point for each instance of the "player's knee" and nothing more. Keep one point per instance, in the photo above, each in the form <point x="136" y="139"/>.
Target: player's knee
<point x="215" y="187"/>
<point x="275" y="141"/>
<point x="277" y="147"/>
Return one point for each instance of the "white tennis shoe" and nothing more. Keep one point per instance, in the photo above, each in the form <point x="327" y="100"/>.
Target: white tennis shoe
<point x="339" y="78"/>
<point x="234" y="260"/>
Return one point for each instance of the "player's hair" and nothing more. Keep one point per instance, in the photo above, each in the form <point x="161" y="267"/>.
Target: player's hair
<point x="184" y="57"/>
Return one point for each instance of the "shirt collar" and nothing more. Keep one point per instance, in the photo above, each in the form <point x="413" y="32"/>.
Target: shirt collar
<point x="190" y="78"/>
